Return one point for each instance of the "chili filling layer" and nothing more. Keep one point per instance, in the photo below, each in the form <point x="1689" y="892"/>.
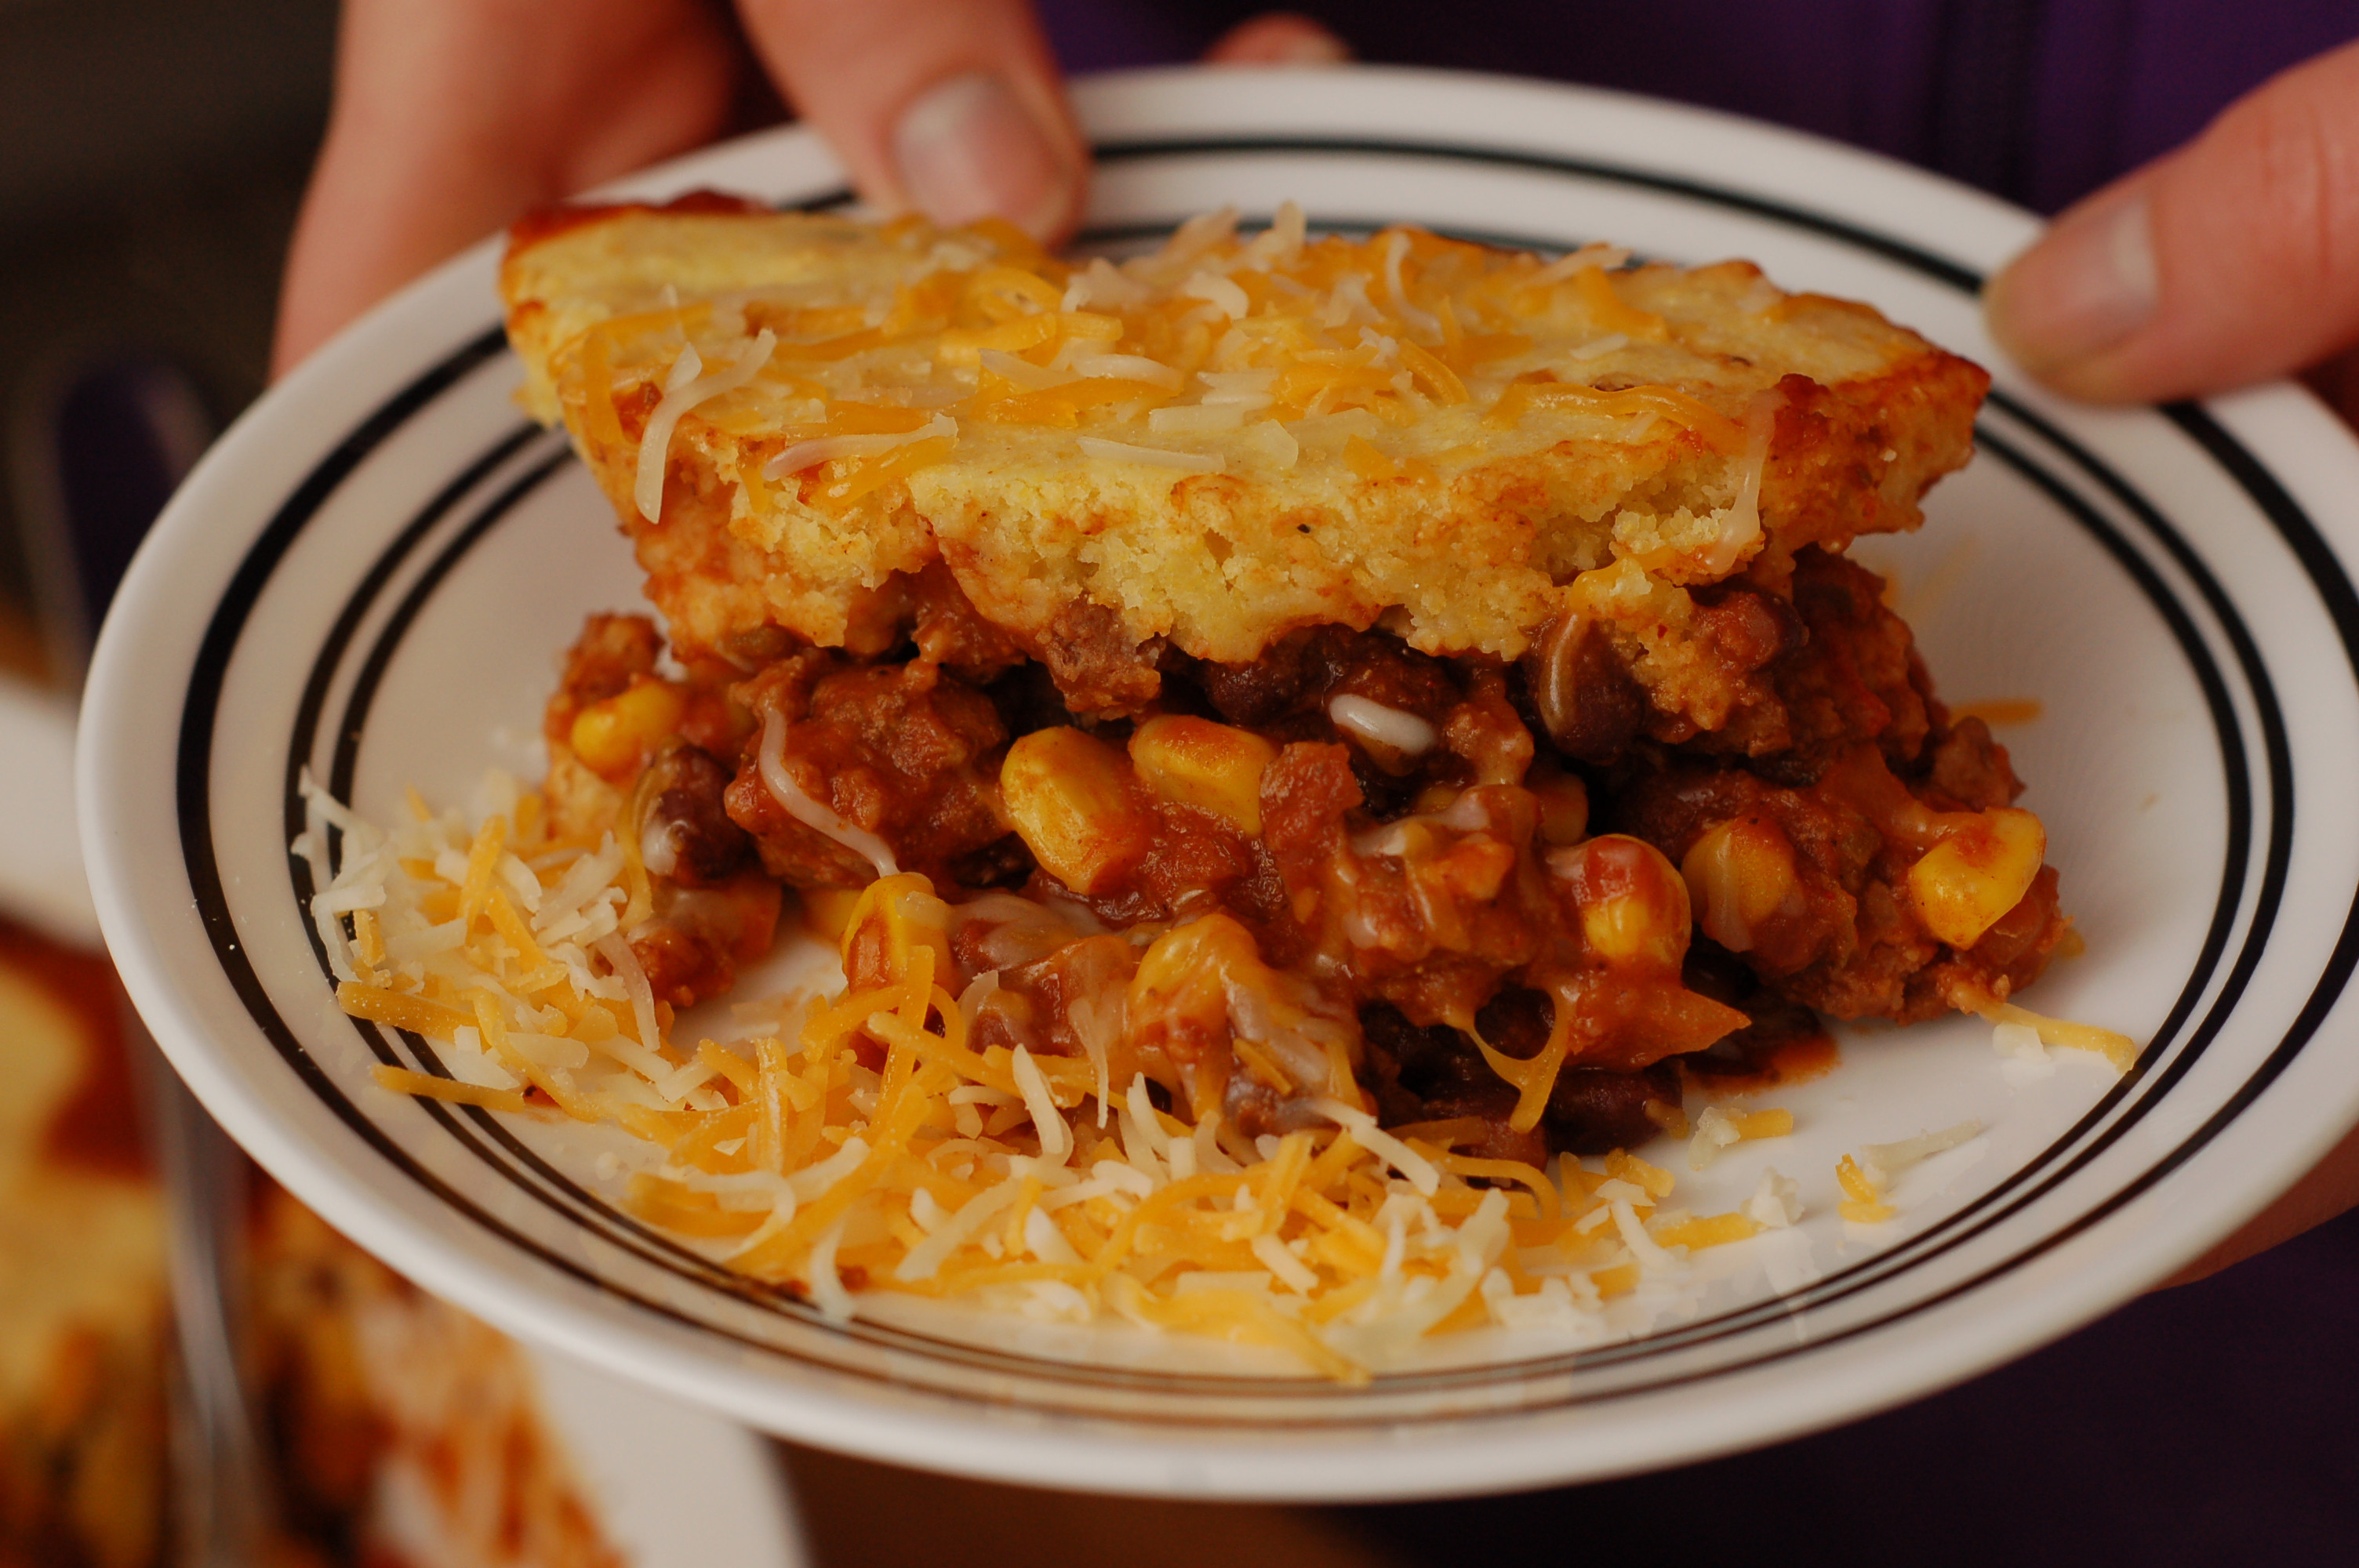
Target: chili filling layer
<point x="1512" y="897"/>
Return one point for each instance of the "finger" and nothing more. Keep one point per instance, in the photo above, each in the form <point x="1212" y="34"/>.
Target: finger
<point x="2234" y="259"/>
<point x="2329" y="1189"/>
<point x="454" y="116"/>
<point x="1278" y="38"/>
<point x="952" y="107"/>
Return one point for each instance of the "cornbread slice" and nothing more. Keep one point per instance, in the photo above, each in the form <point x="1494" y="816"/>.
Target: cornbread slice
<point x="1215" y="445"/>
<point x="1375" y="717"/>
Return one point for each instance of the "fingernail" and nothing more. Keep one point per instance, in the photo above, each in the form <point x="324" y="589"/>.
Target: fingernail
<point x="1306" y="49"/>
<point x="1280" y="40"/>
<point x="2086" y="286"/>
<point x="969" y="148"/>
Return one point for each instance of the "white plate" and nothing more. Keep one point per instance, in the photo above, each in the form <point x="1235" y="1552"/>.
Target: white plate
<point x="41" y="879"/>
<point x="673" y="1486"/>
<point x="371" y="573"/>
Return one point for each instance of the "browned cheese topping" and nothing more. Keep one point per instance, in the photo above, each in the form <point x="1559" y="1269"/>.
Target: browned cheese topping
<point x="1391" y="671"/>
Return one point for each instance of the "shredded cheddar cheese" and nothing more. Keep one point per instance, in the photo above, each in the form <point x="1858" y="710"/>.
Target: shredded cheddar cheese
<point x="861" y="1142"/>
<point x="1396" y="325"/>
<point x="2116" y="1048"/>
<point x="1863" y="1204"/>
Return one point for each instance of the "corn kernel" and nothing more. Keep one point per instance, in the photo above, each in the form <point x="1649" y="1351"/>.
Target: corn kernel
<point x="1179" y="999"/>
<point x="1974" y="875"/>
<point x="1069" y="797"/>
<point x="614" y="738"/>
<point x="1213" y="767"/>
<point x="1633" y="907"/>
<point x="1197" y="955"/>
<point x="1738" y="876"/>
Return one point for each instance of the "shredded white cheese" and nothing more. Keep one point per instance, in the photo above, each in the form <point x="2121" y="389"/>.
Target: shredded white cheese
<point x="684" y="388"/>
<point x="1126" y="367"/>
<point x="1046" y="1242"/>
<point x="1605" y="257"/>
<point x="924" y="1260"/>
<point x="1289" y="1269"/>
<point x="625" y="964"/>
<point x="1196" y="419"/>
<point x="1742" y="525"/>
<point x="827" y="448"/>
<point x="772" y="761"/>
<point x="826" y="1287"/>
<point x="2020" y="1041"/>
<point x="1382" y="1144"/>
<point x="1025" y="373"/>
<point x="1386" y="726"/>
<point x="1715" y="1131"/>
<point x="1652" y="1257"/>
<point x="1189" y="241"/>
<point x="1277" y="244"/>
<point x="926" y="1211"/>
<point x="1775" y="1204"/>
<point x="1155" y="457"/>
<point x="1101" y="283"/>
<point x="979" y="990"/>
<point x="1273" y="444"/>
<point x="1221" y="292"/>
<point x="1238" y="386"/>
<point x="812" y="1181"/>
<point x="1056" y="1138"/>
<point x="1346" y="302"/>
<point x="1422" y="322"/>
<point x="1886" y="1161"/>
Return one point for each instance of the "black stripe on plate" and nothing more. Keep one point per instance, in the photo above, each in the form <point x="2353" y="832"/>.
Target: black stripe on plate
<point x="1914" y="256"/>
<point x="658" y="1251"/>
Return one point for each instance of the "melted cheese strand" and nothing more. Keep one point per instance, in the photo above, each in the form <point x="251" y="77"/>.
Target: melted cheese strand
<point x="1128" y="367"/>
<point x="1388" y="727"/>
<point x="1382" y="1144"/>
<point x="1152" y="456"/>
<point x="1884" y="1161"/>
<point x="1742" y="526"/>
<point x="772" y="761"/>
<point x="684" y="388"/>
<point x="1056" y="1138"/>
<point x="1421" y="321"/>
<point x="826" y="449"/>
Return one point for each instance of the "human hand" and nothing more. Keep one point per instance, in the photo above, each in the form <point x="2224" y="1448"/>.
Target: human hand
<point x="454" y="116"/>
<point x="2235" y="259"/>
<point x="2232" y="260"/>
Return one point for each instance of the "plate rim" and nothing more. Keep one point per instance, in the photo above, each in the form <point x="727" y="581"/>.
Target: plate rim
<point x="1186" y="84"/>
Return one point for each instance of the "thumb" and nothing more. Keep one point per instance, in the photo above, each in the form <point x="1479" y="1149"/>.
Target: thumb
<point x="952" y="107"/>
<point x="2232" y="259"/>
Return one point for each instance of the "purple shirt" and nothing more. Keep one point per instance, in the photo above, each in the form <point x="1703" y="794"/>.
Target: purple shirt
<point x="2041" y="103"/>
<point x="2210" y="1423"/>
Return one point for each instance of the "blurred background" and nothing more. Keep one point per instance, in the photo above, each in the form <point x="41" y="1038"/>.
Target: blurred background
<point x="152" y="156"/>
<point x="155" y="151"/>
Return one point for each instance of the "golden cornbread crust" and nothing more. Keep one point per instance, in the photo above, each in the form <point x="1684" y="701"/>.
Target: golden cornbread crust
<point x="1456" y="443"/>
